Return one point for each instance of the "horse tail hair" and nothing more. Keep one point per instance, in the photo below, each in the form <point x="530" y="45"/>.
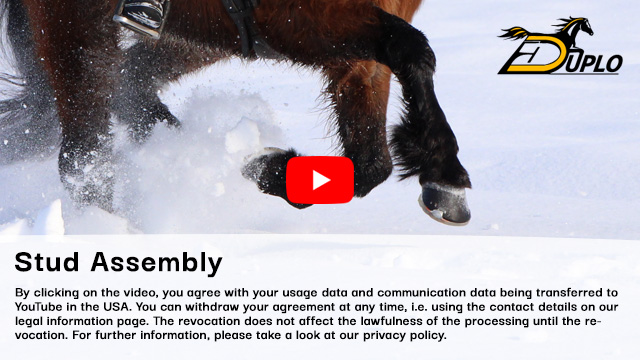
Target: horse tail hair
<point x="29" y="126"/>
<point x="515" y="33"/>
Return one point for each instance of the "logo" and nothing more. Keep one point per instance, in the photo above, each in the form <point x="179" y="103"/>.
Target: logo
<point x="320" y="180"/>
<point x="548" y="53"/>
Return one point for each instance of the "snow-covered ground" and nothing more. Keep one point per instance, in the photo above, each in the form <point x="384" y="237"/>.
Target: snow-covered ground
<point x="550" y="156"/>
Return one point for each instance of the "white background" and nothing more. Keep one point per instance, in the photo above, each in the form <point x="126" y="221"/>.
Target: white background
<point x="282" y="262"/>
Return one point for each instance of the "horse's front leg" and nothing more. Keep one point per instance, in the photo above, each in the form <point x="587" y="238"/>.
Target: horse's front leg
<point x="77" y="46"/>
<point x="359" y="93"/>
<point x="424" y="144"/>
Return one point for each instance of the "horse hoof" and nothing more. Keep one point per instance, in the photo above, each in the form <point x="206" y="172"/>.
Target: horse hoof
<point x="268" y="169"/>
<point x="445" y="204"/>
<point x="256" y="165"/>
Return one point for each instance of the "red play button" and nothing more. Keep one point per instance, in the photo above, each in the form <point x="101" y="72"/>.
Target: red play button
<point x="320" y="180"/>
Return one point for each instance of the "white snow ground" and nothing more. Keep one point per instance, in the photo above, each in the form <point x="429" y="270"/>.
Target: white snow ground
<point x="549" y="156"/>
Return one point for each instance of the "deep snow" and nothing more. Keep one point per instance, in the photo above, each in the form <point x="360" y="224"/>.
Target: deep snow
<point x="548" y="155"/>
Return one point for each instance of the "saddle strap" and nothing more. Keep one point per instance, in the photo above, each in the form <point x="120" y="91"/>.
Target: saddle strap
<point x="241" y="11"/>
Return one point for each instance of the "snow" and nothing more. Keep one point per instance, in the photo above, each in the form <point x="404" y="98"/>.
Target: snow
<point x="49" y="220"/>
<point x="549" y="156"/>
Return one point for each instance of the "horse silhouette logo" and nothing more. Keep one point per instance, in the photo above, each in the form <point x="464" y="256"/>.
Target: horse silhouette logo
<point x="564" y="39"/>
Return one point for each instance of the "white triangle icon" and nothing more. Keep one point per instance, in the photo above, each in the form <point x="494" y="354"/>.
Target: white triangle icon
<point x="319" y="179"/>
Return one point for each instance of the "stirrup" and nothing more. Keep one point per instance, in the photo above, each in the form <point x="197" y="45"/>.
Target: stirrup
<point x="146" y="17"/>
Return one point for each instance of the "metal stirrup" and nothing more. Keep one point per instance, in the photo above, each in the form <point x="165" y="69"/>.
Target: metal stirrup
<point x="139" y="27"/>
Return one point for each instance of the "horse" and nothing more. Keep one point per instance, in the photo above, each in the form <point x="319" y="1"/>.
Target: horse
<point x="72" y="82"/>
<point x="568" y="33"/>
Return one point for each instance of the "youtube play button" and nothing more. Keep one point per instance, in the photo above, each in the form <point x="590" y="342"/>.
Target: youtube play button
<point x="320" y="180"/>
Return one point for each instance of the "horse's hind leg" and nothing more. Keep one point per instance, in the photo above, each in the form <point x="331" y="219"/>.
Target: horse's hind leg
<point x="77" y="45"/>
<point x="147" y="68"/>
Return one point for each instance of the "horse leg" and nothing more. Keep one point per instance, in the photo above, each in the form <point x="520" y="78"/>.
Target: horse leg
<point x="424" y="144"/>
<point x="77" y="45"/>
<point x="147" y="68"/>
<point x="359" y="93"/>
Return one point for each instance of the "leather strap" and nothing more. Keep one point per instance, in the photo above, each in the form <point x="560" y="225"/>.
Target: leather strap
<point x="241" y="11"/>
